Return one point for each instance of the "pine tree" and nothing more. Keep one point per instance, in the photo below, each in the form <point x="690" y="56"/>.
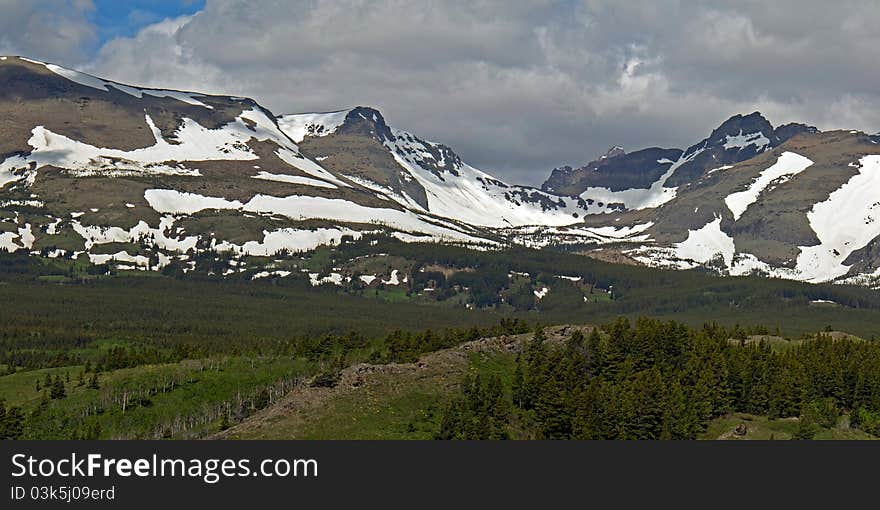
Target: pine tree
<point x="534" y="376"/>
<point x="702" y="401"/>
<point x="58" y="391"/>
<point x="675" y="414"/>
<point x="479" y="412"/>
<point x="552" y="410"/>
<point x="595" y="351"/>
<point x="451" y="422"/>
<point x="496" y="408"/>
<point x="518" y="389"/>
<point x="11" y="422"/>
<point x="806" y="430"/>
<point x="816" y="415"/>
<point x="648" y="392"/>
<point x="43" y="405"/>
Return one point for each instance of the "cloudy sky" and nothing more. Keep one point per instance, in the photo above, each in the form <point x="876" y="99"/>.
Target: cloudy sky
<point x="515" y="87"/>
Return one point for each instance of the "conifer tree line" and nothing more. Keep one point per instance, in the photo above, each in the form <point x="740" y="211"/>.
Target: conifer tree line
<point x="663" y="380"/>
<point x="11" y="421"/>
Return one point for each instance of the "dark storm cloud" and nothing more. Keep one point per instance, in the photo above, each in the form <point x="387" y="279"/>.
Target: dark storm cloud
<point x="517" y="87"/>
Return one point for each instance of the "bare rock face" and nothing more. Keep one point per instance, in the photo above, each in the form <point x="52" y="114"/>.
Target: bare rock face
<point x="364" y="121"/>
<point x="615" y="170"/>
<point x="737" y="139"/>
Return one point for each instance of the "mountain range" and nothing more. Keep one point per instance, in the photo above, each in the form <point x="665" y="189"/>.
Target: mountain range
<point x="142" y="178"/>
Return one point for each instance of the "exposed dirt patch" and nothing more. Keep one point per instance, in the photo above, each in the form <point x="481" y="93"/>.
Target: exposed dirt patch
<point x="446" y="270"/>
<point x="612" y="255"/>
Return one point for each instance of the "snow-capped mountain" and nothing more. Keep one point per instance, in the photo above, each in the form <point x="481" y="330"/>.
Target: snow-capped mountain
<point x="88" y="165"/>
<point x="646" y="177"/>
<point x="143" y="177"/>
<point x="422" y="175"/>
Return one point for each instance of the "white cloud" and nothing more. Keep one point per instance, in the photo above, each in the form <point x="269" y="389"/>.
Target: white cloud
<point x="56" y="30"/>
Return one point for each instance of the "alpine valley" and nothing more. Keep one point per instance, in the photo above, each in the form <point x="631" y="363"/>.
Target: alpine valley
<point x="143" y="178"/>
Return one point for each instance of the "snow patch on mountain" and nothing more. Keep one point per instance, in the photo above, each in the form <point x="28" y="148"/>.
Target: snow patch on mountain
<point x="96" y="234"/>
<point x="193" y="143"/>
<point x="7" y="241"/>
<point x="707" y="243"/>
<point x="393" y="279"/>
<point x="13" y="169"/>
<point x="787" y="165"/>
<point x="52" y="228"/>
<point x="298" y="161"/>
<point x="299" y="125"/>
<point x="104" y="85"/>
<point x="293" y="179"/>
<point x="267" y="274"/>
<point x="705" y="246"/>
<point x="742" y="141"/>
<point x="121" y="256"/>
<point x="300" y="207"/>
<point x="641" y="198"/>
<point x="540" y="237"/>
<point x="24" y="236"/>
<point x="178" y="202"/>
<point x="846" y="222"/>
<point x="332" y="278"/>
<point x="871" y="280"/>
<point x="290" y="239"/>
<point x="719" y="169"/>
<point x="305" y="207"/>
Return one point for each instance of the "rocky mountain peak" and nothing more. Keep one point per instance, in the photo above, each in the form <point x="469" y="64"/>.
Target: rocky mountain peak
<point x="615" y="170"/>
<point x="737" y="139"/>
<point x="741" y="126"/>
<point x="366" y="121"/>
<point x="742" y="131"/>
<point x="613" y="152"/>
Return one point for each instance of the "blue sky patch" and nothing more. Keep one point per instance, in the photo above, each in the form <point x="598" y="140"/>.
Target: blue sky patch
<point x="124" y="19"/>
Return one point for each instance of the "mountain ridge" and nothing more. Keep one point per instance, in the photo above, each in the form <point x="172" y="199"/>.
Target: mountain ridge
<point x="89" y="166"/>
<point x="738" y="138"/>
